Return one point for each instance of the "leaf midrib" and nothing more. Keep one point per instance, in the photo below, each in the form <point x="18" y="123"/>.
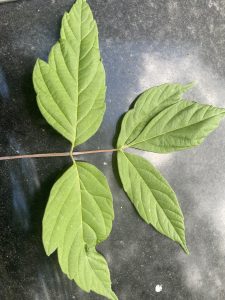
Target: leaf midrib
<point x="174" y="130"/>
<point x="79" y="185"/>
<point x="90" y="212"/>
<point x="77" y="79"/>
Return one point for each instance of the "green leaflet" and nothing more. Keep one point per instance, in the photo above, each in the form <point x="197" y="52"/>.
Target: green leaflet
<point x="79" y="215"/>
<point x="81" y="193"/>
<point x="152" y="196"/>
<point x="162" y="122"/>
<point x="148" y="105"/>
<point x="71" y="86"/>
<point x="180" y="126"/>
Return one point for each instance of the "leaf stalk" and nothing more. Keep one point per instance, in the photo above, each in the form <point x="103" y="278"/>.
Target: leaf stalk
<point x="64" y="154"/>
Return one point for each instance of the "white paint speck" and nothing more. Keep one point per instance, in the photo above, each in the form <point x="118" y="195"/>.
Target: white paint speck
<point x="105" y="163"/>
<point x="158" y="288"/>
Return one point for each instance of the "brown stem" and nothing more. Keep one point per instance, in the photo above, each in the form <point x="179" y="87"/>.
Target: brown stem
<point x="42" y="155"/>
<point x="95" y="151"/>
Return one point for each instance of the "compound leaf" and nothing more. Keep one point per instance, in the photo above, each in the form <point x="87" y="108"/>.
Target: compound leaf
<point x="79" y="215"/>
<point x="152" y="196"/>
<point x="147" y="106"/>
<point x="71" y="86"/>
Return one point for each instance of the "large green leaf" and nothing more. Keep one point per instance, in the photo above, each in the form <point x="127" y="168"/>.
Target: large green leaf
<point x="180" y="126"/>
<point x="79" y="215"/>
<point x="71" y="86"/>
<point x="152" y="196"/>
<point x="147" y="106"/>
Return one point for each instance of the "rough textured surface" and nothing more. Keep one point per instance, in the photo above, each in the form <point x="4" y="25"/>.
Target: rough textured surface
<point x="143" y="43"/>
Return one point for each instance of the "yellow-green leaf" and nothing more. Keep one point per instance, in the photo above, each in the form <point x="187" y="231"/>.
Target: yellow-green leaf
<point x="152" y="196"/>
<point x="71" y="86"/>
<point x="79" y="215"/>
<point x="181" y="126"/>
<point x="161" y="121"/>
